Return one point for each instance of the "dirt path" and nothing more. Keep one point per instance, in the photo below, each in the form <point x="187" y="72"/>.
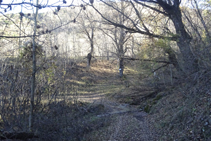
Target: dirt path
<point x="128" y="122"/>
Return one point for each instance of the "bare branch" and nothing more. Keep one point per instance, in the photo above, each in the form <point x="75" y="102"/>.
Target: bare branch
<point x="132" y="30"/>
<point x="42" y="33"/>
<point x="152" y="8"/>
<point x="148" y="60"/>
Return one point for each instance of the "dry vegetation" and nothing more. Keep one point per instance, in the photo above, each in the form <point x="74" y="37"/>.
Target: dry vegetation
<point x="183" y="112"/>
<point x="71" y="104"/>
<point x="58" y="113"/>
<point x="95" y="104"/>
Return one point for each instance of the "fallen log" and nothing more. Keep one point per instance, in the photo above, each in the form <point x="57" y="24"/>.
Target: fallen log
<point x="17" y="135"/>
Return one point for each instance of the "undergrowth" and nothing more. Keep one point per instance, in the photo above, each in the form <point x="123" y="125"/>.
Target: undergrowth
<point x="184" y="113"/>
<point x="58" y="113"/>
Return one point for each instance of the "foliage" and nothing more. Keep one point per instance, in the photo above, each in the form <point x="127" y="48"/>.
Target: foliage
<point x="25" y="56"/>
<point x="49" y="73"/>
<point x="165" y="45"/>
<point x="26" y="51"/>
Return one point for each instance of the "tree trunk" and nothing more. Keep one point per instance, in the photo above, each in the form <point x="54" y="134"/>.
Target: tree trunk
<point x="107" y="55"/>
<point x="89" y="57"/>
<point x="132" y="47"/>
<point x="33" y="71"/>
<point x="121" y="57"/>
<point x="121" y="66"/>
<point x="190" y="64"/>
<point x="92" y="46"/>
<point x="189" y="61"/>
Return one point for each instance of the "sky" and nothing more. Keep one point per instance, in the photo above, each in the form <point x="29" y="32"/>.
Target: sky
<point x="28" y="9"/>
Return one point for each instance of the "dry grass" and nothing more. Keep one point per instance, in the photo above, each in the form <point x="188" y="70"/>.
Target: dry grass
<point x="183" y="112"/>
<point x="73" y="102"/>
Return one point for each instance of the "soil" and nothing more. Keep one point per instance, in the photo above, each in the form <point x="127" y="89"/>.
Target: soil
<point x="129" y="123"/>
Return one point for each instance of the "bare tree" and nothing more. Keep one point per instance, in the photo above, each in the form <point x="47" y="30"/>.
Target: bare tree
<point x="118" y="35"/>
<point x="34" y="69"/>
<point x="169" y="9"/>
<point x="33" y="34"/>
<point x="88" y="25"/>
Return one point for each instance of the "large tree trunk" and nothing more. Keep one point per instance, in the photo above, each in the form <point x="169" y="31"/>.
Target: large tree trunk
<point x="189" y="61"/>
<point x="190" y="64"/>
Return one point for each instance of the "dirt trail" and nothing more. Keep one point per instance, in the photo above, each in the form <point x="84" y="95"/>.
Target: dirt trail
<point x="129" y="124"/>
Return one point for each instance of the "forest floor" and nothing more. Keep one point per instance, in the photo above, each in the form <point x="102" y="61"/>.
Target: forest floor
<point x="103" y="85"/>
<point x="138" y="107"/>
<point x="142" y="109"/>
<point x="97" y="105"/>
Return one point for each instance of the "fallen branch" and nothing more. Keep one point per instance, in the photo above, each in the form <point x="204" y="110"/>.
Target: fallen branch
<point x="160" y="67"/>
<point x="133" y="59"/>
<point x="20" y="135"/>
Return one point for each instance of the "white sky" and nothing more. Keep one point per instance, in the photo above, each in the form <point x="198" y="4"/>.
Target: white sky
<point x="26" y="8"/>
